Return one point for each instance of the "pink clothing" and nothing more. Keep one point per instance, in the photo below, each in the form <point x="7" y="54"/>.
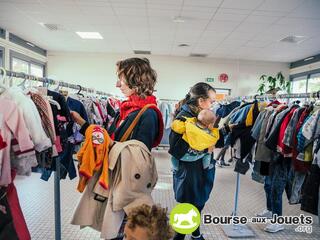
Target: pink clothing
<point x="13" y="124"/>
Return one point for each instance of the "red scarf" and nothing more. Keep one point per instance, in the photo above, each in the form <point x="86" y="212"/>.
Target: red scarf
<point x="135" y="103"/>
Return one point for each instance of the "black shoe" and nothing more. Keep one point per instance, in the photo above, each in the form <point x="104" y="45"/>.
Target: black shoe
<point x="198" y="238"/>
<point x="179" y="236"/>
<point x="225" y="164"/>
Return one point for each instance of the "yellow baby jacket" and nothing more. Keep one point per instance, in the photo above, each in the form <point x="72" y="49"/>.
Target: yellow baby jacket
<point x="196" y="137"/>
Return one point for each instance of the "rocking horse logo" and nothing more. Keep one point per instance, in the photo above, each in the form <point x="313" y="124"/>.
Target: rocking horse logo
<point x="185" y="218"/>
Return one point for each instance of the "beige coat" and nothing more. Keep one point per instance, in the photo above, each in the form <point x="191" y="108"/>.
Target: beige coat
<point x="132" y="177"/>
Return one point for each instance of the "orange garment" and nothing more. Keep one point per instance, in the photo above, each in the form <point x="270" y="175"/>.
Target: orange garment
<point x="93" y="155"/>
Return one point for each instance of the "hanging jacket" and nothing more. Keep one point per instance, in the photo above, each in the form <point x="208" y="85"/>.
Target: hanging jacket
<point x="133" y="176"/>
<point x="31" y="117"/>
<point x="299" y="166"/>
<point x="281" y="147"/>
<point x="196" y="137"/>
<point x="13" y="125"/>
<point x="263" y="153"/>
<point x="93" y="156"/>
<point x="243" y="132"/>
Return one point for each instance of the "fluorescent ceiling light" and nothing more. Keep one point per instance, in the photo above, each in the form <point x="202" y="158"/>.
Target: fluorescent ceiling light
<point x="90" y="35"/>
<point x="179" y="19"/>
<point x="30" y="44"/>
<point x="309" y="58"/>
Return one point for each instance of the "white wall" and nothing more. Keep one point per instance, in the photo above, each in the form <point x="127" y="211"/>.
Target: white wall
<point x="175" y="74"/>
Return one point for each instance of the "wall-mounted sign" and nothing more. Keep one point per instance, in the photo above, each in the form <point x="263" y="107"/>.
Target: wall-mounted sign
<point x="223" y="77"/>
<point x="210" y="79"/>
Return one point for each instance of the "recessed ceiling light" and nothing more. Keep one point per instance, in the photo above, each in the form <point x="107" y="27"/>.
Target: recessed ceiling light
<point x="183" y="45"/>
<point x="90" y="35"/>
<point x="294" y="39"/>
<point x="309" y="58"/>
<point x="30" y="44"/>
<point x="179" y="19"/>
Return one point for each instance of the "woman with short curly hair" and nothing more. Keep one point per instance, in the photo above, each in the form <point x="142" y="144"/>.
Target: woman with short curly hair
<point x="136" y="80"/>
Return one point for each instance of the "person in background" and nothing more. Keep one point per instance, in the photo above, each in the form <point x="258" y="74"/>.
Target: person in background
<point x="192" y="183"/>
<point x="136" y="80"/>
<point x="148" y="223"/>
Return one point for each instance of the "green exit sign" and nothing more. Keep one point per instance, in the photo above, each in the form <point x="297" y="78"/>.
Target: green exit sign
<point x="210" y="79"/>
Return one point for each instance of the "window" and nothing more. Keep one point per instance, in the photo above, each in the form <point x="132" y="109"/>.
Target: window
<point x="299" y="85"/>
<point x="27" y="65"/>
<point x="36" y="70"/>
<point x="307" y="83"/>
<point x="314" y="83"/>
<point x="19" y="65"/>
<point x="1" y="57"/>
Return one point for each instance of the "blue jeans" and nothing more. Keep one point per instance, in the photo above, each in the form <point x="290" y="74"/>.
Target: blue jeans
<point x="267" y="189"/>
<point x="298" y="180"/>
<point x="282" y="178"/>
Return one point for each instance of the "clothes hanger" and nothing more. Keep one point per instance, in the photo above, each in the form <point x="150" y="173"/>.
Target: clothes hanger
<point x="79" y="92"/>
<point x="2" y="83"/>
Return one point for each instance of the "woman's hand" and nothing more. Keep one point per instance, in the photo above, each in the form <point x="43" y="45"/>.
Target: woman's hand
<point x="77" y="118"/>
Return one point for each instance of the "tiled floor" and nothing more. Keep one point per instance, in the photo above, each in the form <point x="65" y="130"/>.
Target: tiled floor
<point x="37" y="201"/>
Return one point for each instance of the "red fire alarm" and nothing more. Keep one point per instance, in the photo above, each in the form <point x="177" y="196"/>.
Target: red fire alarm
<point x="223" y="77"/>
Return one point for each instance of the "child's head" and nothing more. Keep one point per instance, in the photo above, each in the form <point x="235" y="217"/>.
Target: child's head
<point x="148" y="223"/>
<point x="206" y="118"/>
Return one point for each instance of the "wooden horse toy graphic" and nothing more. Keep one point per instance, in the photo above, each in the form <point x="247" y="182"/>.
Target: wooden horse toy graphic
<point x="188" y="217"/>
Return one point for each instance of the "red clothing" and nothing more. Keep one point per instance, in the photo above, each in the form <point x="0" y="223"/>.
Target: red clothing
<point x="100" y="111"/>
<point x="135" y="103"/>
<point x="281" y="147"/>
<point x="16" y="212"/>
<point x="298" y="165"/>
<point x="3" y="144"/>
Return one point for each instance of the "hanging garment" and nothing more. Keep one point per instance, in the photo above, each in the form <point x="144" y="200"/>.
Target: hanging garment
<point x="310" y="191"/>
<point x="31" y="117"/>
<point x="271" y="140"/>
<point x="225" y="109"/>
<point x="7" y="229"/>
<point x="3" y="144"/>
<point x="288" y="135"/>
<point x="300" y="166"/>
<point x="77" y="106"/>
<point x="17" y="215"/>
<point x="93" y="156"/>
<point x="281" y="147"/>
<point x="263" y="153"/>
<point x="44" y="112"/>
<point x="243" y="132"/>
<point x="130" y="186"/>
<point x="13" y="124"/>
<point x="282" y="179"/>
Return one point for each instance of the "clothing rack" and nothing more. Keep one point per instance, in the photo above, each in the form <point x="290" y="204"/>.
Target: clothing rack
<point x="50" y="81"/>
<point x="277" y="96"/>
<point x="57" y="200"/>
<point x="168" y="100"/>
<point x="242" y="231"/>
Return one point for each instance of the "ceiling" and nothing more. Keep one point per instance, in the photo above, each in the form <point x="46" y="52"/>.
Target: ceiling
<point x="237" y="29"/>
